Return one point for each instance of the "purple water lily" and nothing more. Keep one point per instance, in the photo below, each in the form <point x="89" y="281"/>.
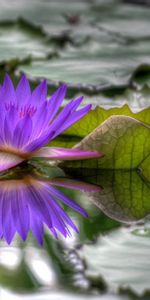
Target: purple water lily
<point x="29" y="121"/>
<point x="30" y="203"/>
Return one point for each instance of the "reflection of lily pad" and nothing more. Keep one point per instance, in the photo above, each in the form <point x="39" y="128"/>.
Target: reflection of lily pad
<point x="145" y="168"/>
<point x="125" y="196"/>
<point x="121" y="258"/>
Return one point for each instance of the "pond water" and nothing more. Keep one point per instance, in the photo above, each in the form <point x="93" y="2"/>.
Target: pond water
<point x="101" y="257"/>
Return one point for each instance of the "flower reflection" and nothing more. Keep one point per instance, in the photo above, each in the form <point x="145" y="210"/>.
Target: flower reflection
<point x="30" y="203"/>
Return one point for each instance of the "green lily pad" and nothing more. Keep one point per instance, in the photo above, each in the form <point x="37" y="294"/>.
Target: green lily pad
<point x="121" y="21"/>
<point x="19" y="42"/>
<point x="121" y="258"/>
<point x="124" y="140"/>
<point x="105" y="65"/>
<point x="113" y="35"/>
<point x="136" y="98"/>
<point x="124" y="20"/>
<point x="55" y="18"/>
<point x="98" y="115"/>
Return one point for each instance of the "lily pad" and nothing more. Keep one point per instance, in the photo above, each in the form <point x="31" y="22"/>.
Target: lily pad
<point x="53" y="17"/>
<point x="124" y="20"/>
<point x="124" y="140"/>
<point x="98" y="115"/>
<point x="19" y="42"/>
<point x="121" y="21"/>
<point x="136" y="98"/>
<point x="121" y="258"/>
<point x="105" y="65"/>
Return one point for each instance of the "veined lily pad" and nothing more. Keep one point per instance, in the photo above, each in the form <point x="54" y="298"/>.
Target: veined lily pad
<point x="124" y="140"/>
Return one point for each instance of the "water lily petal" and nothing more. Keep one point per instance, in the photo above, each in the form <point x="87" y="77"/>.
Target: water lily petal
<point x="20" y="211"/>
<point x="38" y="204"/>
<point x="7" y="220"/>
<point x="66" y="200"/>
<point x="56" y="100"/>
<point x="71" y="119"/>
<point x="75" y="185"/>
<point x="39" y="94"/>
<point x="36" y="226"/>
<point x="21" y="137"/>
<point x="66" y="153"/>
<point x="9" y="160"/>
<point x="23" y="92"/>
<point x="7" y="91"/>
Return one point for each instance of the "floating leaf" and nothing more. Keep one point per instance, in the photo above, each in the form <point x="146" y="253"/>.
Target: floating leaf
<point x="121" y="258"/>
<point x="124" y="140"/>
<point x="53" y="17"/>
<point x="97" y="116"/>
<point x="90" y="70"/>
<point x="19" y="42"/>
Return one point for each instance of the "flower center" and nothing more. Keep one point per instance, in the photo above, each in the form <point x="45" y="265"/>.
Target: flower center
<point x="23" y="111"/>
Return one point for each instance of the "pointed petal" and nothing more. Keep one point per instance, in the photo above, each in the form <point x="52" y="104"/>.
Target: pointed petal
<point x="8" y="160"/>
<point x="39" y="94"/>
<point x="7" y="221"/>
<point x="1" y="208"/>
<point x="57" y="221"/>
<point x="40" y="121"/>
<point x="8" y="91"/>
<point x="65" y="119"/>
<point x="7" y="132"/>
<point x="36" y="226"/>
<point x="58" y="124"/>
<point x="20" y="212"/>
<point x="73" y="118"/>
<point x="64" y="216"/>
<point x="22" y="132"/>
<point x="66" y="153"/>
<point x="66" y="200"/>
<point x="56" y="100"/>
<point x="75" y="185"/>
<point x="53" y="216"/>
<point x="23" y="91"/>
<point x="38" y="204"/>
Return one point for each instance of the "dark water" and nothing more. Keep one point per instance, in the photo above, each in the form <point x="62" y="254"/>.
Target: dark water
<point x="72" y="268"/>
